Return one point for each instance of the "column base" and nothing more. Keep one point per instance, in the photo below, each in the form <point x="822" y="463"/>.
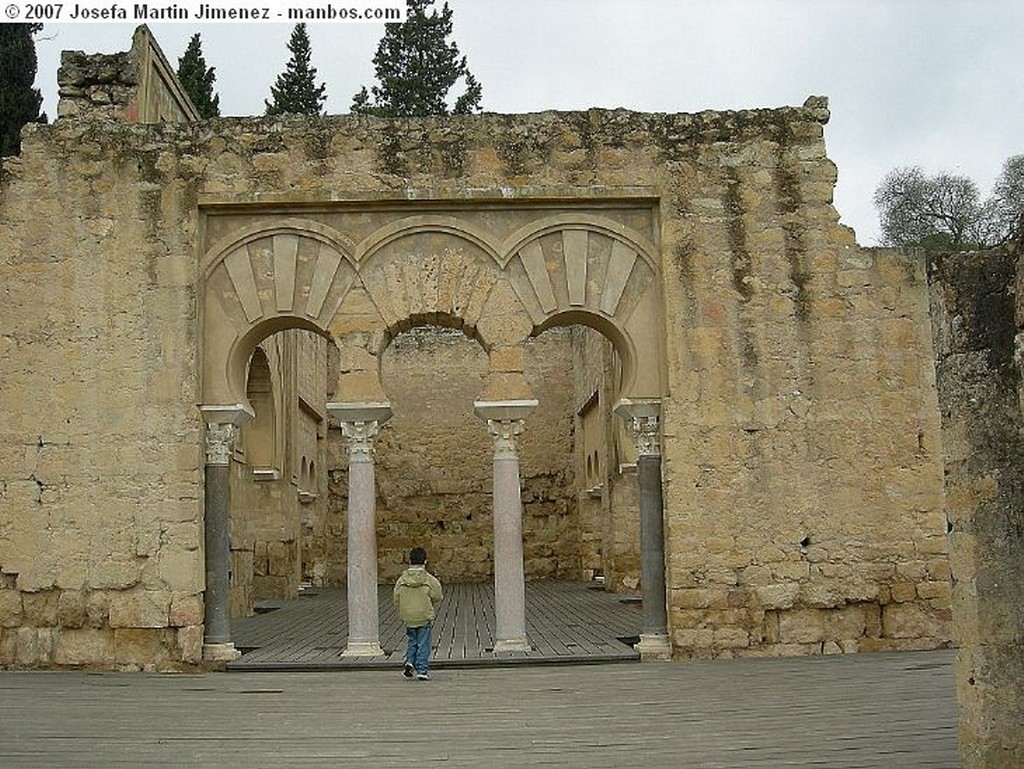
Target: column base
<point x="654" y="647"/>
<point x="363" y="649"/>
<point x="220" y="652"/>
<point x="512" y="645"/>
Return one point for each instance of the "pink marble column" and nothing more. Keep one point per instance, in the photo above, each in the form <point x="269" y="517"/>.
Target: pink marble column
<point x="359" y="425"/>
<point x="504" y="423"/>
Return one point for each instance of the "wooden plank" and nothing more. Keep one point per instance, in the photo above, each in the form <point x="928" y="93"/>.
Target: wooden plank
<point x="872" y="711"/>
<point x="566" y="621"/>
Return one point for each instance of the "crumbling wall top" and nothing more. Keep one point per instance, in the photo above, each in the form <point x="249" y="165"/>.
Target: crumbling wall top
<point x="137" y="86"/>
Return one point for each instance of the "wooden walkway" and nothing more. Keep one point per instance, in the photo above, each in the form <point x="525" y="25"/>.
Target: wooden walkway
<point x="566" y="622"/>
<point x="860" y="711"/>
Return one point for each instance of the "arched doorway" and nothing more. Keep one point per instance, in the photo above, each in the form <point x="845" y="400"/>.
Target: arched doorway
<point x="500" y="285"/>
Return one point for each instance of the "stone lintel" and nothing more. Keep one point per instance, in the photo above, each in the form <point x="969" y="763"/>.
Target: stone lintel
<point x="654" y="647"/>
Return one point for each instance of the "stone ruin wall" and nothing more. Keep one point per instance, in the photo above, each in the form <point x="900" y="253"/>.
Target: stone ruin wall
<point x="978" y="321"/>
<point x="137" y="85"/>
<point x="433" y="463"/>
<point x="802" y="466"/>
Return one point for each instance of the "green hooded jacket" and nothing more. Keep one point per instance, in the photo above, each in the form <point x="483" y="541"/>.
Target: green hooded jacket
<point x="417" y="593"/>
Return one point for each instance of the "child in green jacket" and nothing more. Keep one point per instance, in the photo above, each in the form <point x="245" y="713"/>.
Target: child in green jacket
<point x="417" y="593"/>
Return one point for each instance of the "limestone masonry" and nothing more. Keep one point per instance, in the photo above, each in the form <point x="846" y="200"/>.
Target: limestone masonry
<point x="686" y="271"/>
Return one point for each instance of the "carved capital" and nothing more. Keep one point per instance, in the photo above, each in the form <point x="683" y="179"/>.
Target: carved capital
<point x="359" y="424"/>
<point x="220" y="443"/>
<point x="505" y="422"/>
<point x="643" y="421"/>
<point x="504" y="432"/>
<point x="360" y="437"/>
<point x="222" y="424"/>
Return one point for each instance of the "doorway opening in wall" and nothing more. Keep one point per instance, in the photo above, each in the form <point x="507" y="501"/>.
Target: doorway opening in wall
<point x="433" y="469"/>
<point x="278" y="499"/>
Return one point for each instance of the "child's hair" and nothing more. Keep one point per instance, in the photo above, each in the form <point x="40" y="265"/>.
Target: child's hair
<point x="417" y="556"/>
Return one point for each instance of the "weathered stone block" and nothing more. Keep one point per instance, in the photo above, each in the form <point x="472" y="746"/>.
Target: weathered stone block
<point x="777" y="596"/>
<point x="912" y="620"/>
<point x="730" y="638"/>
<point x="140" y="609"/>
<point x="30" y="651"/>
<point x="190" y="644"/>
<point x="281" y="560"/>
<point x="71" y="609"/>
<point x="40" y="609"/>
<point x="903" y="591"/>
<point x="798" y="626"/>
<point x="793" y="571"/>
<point x="935" y="591"/>
<point x="848" y="622"/>
<point x="821" y="596"/>
<point x="113" y="574"/>
<point x="186" y="609"/>
<point x="181" y="570"/>
<point x="97" y="609"/>
<point x="8" y="646"/>
<point x="85" y="646"/>
<point x="10" y="608"/>
<point x="144" y="648"/>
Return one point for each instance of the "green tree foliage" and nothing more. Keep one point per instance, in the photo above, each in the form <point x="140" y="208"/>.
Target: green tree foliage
<point x="945" y="211"/>
<point x="19" y="101"/>
<point x="197" y="79"/>
<point x="417" y="68"/>
<point x="296" y="91"/>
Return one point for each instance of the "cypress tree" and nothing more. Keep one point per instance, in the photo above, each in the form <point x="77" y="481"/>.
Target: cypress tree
<point x="197" y="79"/>
<point x="417" y="68"/>
<point x="19" y="101"/>
<point x="295" y="90"/>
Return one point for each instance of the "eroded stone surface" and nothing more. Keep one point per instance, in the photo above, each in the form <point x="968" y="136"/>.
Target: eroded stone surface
<point x="977" y="318"/>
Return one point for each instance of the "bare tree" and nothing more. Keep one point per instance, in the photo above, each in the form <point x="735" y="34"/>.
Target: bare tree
<point x="945" y="211"/>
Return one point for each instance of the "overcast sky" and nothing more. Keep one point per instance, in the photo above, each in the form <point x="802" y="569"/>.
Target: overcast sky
<point x="936" y="83"/>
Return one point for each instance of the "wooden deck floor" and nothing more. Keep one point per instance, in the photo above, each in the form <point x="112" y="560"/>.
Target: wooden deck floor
<point x="857" y="711"/>
<point x="566" y="622"/>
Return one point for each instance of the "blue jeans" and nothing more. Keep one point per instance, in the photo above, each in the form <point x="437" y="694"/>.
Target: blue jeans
<point x="417" y="653"/>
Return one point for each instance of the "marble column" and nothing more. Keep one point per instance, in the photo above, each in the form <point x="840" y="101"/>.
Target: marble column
<point x="505" y="422"/>
<point x="222" y="423"/>
<point x="359" y="425"/>
<point x="643" y="422"/>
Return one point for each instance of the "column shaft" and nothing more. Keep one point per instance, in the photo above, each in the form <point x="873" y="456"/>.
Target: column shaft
<point x="505" y="422"/>
<point x="222" y="424"/>
<point x="359" y="424"/>
<point x="218" y="555"/>
<point x="643" y="419"/>
<point x="652" y="545"/>
<point x="509" y="581"/>
<point x="363" y="623"/>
